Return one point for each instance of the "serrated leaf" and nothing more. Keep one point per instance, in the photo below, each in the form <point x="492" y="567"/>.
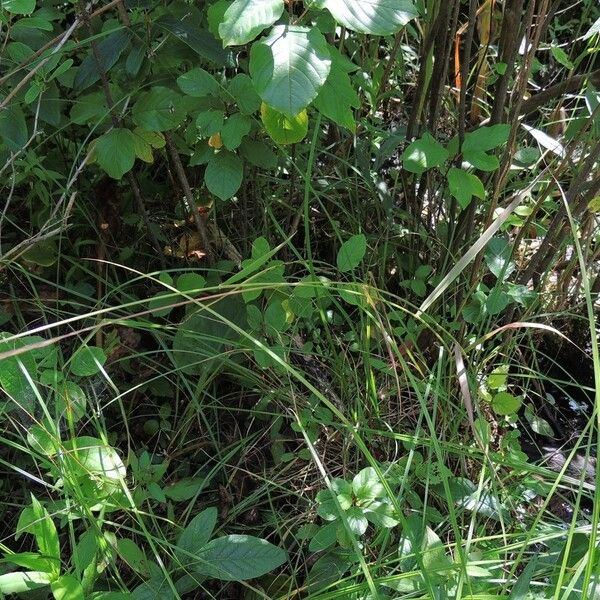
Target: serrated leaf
<point x="116" y="151"/>
<point x="223" y="175"/>
<point x="423" y="154"/>
<point x="337" y="97"/>
<point x="238" y="558"/>
<point x="158" y="110"/>
<point x="351" y="253"/>
<point x="245" y="19"/>
<point x="289" y="67"/>
<point x="283" y="129"/>
<point x="376" y="17"/>
<point x="504" y="403"/>
<point x="198" y="83"/>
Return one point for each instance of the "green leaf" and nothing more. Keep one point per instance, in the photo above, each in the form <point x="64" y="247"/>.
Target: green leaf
<point x="486" y="138"/>
<point x="13" y="128"/>
<point x="108" y="52"/>
<point x="116" y="151"/>
<point x="238" y="558"/>
<point x="199" y="40"/>
<point x="593" y="30"/>
<point x="259" y="154"/>
<point x="20" y="582"/>
<point x="356" y="520"/>
<point x="184" y="489"/>
<point x="242" y="90"/>
<point x="504" y="403"/>
<point x="463" y="186"/>
<point x="351" y="253"/>
<point x="190" y="282"/>
<point x="44" y="253"/>
<point x="145" y="141"/>
<point x="215" y="15"/>
<point x="337" y="97"/>
<point x="236" y="127"/>
<point x="30" y="560"/>
<point x="245" y="19"/>
<point x="497" y="301"/>
<point x="275" y="317"/>
<point x="66" y="587"/>
<point x="209" y="122"/>
<point x="196" y="535"/>
<point x="481" y="160"/>
<point x="19" y="7"/>
<point x="283" y="129"/>
<point x="87" y="361"/>
<point x="377" y="17"/>
<point x="198" y="83"/>
<point x="561" y="57"/>
<point x="367" y="486"/>
<point x="133" y="555"/>
<point x="46" y="535"/>
<point x="223" y="175"/>
<point x="91" y="456"/>
<point x="42" y="441"/>
<point x="497" y="257"/>
<point x="289" y="67"/>
<point x="89" y="109"/>
<point x="324" y="538"/>
<point x="423" y="154"/>
<point x="158" y="110"/>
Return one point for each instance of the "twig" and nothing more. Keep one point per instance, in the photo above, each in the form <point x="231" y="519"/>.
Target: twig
<point x="187" y="191"/>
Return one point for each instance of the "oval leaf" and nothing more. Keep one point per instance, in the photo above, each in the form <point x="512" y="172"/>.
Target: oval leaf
<point x="223" y="175"/>
<point x="238" y="557"/>
<point x="351" y="253"/>
<point x="115" y="152"/>
<point x="282" y="129"/>
<point x="289" y="67"/>
<point x="245" y="19"/>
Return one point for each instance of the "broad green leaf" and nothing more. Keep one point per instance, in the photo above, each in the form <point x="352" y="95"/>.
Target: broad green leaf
<point x="481" y="160"/>
<point x="486" y="138"/>
<point x="423" y="154"/>
<point x="324" y="538"/>
<point x="44" y="253"/>
<point x="356" y="520"/>
<point x="283" y="129"/>
<point x="215" y="15"/>
<point x="223" y="175"/>
<point x="463" y="186"/>
<point x="13" y="381"/>
<point x="367" y="486"/>
<point x="238" y="558"/>
<point x="190" y="282"/>
<point x="46" y="535"/>
<point x="242" y="90"/>
<point x="434" y="557"/>
<point x="497" y="257"/>
<point x="351" y="253"/>
<point x="337" y="97"/>
<point x="235" y="128"/>
<point x="87" y="361"/>
<point x="184" y="489"/>
<point x="133" y="555"/>
<point x="145" y="142"/>
<point x="245" y="19"/>
<point x="13" y="128"/>
<point x="377" y="17"/>
<point x="70" y="402"/>
<point x="561" y="57"/>
<point x="158" y="110"/>
<point x="289" y="67"/>
<point x="275" y="317"/>
<point x="260" y="154"/>
<point x="42" y="441"/>
<point x="504" y="403"/>
<point x="198" y="83"/>
<point x="199" y="40"/>
<point x="108" y="51"/>
<point x="116" y="151"/>
<point x="209" y="122"/>
<point x="196" y="535"/>
<point x="66" y="587"/>
<point x="88" y="456"/>
<point x="86" y="548"/>
<point x="91" y="108"/>
<point x="201" y="337"/>
<point x="497" y="301"/>
<point x="538" y="424"/>
<point x="19" y="7"/>
<point x="20" y="582"/>
<point x="498" y="377"/>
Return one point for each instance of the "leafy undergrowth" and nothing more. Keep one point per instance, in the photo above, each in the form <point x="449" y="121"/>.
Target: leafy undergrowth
<point x="298" y="300"/>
